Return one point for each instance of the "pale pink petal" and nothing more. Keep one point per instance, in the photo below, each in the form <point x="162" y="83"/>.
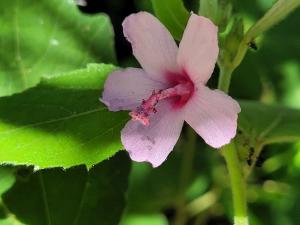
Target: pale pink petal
<point x="153" y="143"/>
<point x="198" y="49"/>
<point x="152" y="44"/>
<point x="213" y="115"/>
<point x="125" y="89"/>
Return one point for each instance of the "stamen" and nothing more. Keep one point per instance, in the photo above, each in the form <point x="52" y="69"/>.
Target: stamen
<point x="142" y="112"/>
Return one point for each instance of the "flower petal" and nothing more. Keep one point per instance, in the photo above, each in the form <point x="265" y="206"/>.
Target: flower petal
<point x="213" y="115"/>
<point x="152" y="44"/>
<point x="153" y="143"/>
<point x="198" y="49"/>
<point x="125" y="90"/>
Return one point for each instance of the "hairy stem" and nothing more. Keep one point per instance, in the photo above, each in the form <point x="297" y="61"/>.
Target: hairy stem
<point x="238" y="184"/>
<point x="237" y="180"/>
<point x="274" y="15"/>
<point x="225" y="78"/>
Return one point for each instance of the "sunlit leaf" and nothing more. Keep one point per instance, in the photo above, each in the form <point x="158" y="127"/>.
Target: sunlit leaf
<point x="144" y="219"/>
<point x="7" y="179"/>
<point x="61" y="122"/>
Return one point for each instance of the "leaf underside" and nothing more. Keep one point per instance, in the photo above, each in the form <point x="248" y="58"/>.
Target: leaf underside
<point x="268" y="124"/>
<point x="74" y="196"/>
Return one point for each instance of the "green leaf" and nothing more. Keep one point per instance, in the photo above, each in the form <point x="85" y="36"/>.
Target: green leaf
<point x="209" y="9"/>
<point x="61" y="122"/>
<point x="218" y="11"/>
<point x="47" y="38"/>
<point x="7" y="178"/>
<point x="144" y="219"/>
<point x="10" y="221"/>
<point x="266" y="124"/>
<point x="172" y="14"/>
<point x="74" y="196"/>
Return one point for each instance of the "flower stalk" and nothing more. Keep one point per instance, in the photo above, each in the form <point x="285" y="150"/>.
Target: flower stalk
<point x="238" y="184"/>
<point x="274" y="15"/>
<point x="230" y="154"/>
<point x="225" y="78"/>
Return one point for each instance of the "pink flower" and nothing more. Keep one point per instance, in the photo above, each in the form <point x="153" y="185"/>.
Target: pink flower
<point x="170" y="89"/>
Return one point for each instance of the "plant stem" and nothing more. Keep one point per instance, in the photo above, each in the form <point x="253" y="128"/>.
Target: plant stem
<point x="238" y="184"/>
<point x="225" y="78"/>
<point x="274" y="15"/>
<point x="185" y="175"/>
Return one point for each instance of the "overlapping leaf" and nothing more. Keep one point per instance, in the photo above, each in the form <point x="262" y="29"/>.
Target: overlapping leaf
<point x="60" y="122"/>
<point x="172" y="14"/>
<point x="269" y="124"/>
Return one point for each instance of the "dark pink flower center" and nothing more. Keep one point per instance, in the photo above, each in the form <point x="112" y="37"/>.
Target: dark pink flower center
<point x="180" y="92"/>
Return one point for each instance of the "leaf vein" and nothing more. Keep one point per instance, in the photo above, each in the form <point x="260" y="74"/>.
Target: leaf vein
<point x="45" y="201"/>
<point x="52" y="121"/>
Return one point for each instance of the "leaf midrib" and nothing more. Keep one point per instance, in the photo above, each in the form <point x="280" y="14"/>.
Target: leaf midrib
<point x="53" y="121"/>
<point x="45" y="200"/>
<point x="78" y="214"/>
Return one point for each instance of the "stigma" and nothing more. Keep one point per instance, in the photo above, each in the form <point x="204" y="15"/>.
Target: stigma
<point x="180" y="94"/>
